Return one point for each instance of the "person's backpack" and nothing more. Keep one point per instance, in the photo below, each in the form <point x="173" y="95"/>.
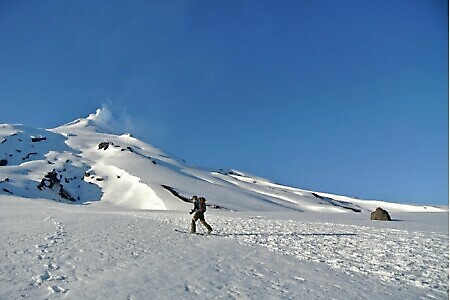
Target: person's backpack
<point x="201" y="204"/>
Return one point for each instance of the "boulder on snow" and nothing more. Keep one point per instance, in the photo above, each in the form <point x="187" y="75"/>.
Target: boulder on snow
<point x="3" y="162"/>
<point x="380" y="215"/>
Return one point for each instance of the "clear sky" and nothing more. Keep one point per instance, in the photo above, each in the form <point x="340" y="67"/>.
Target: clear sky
<point x="347" y="97"/>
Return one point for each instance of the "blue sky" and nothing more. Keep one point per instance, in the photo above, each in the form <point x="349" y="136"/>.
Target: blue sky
<point x="346" y="97"/>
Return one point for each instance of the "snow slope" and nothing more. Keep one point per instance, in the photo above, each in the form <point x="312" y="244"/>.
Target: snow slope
<point x="94" y="164"/>
<point x="51" y="251"/>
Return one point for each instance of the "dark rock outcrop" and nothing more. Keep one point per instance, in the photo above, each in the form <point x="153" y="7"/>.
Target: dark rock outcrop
<point x="38" y="139"/>
<point x="28" y="155"/>
<point x="65" y="194"/>
<point x="7" y="191"/>
<point x="51" y="181"/>
<point x="5" y="180"/>
<point x="3" y="162"/>
<point x="317" y="196"/>
<point x="380" y="215"/>
<point x="103" y="145"/>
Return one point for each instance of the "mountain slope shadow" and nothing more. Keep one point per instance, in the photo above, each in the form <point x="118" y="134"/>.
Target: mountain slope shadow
<point x="38" y="163"/>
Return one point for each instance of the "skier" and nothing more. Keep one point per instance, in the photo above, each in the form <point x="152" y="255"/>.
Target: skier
<point x="199" y="213"/>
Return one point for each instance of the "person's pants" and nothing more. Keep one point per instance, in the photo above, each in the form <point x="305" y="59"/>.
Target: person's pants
<point x="199" y="216"/>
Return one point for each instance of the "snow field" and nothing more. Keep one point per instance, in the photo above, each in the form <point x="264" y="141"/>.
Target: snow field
<point x="401" y="257"/>
<point x="97" y="251"/>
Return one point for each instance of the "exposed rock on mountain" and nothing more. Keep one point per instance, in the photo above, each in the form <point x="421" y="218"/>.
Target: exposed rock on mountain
<point x="85" y="161"/>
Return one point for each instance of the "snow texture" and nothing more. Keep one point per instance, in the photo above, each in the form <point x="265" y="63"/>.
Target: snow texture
<point x="114" y="236"/>
<point x="98" y="251"/>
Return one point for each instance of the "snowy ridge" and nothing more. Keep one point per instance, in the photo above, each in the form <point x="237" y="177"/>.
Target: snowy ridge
<point x="92" y="163"/>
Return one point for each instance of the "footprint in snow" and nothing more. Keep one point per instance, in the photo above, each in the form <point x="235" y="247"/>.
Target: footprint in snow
<point x="53" y="242"/>
<point x="57" y="289"/>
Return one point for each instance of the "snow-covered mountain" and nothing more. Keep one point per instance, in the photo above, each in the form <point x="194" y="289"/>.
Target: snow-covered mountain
<point x="84" y="161"/>
<point x="260" y="248"/>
